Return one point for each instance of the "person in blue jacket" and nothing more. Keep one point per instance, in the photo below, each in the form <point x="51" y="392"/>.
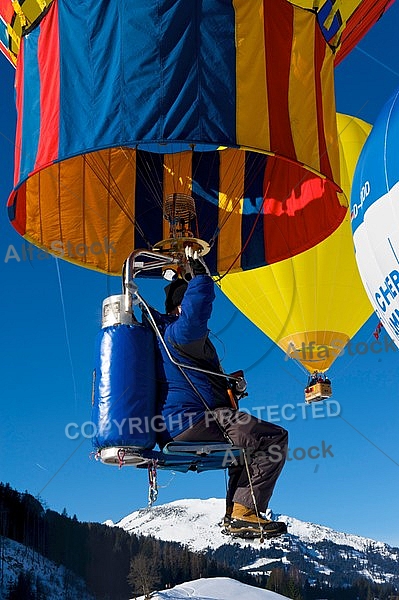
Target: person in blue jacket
<point x="196" y="406"/>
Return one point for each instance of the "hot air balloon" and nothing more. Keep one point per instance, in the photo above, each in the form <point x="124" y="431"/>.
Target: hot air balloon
<point x="119" y="109"/>
<point x="375" y="217"/>
<point x="300" y="302"/>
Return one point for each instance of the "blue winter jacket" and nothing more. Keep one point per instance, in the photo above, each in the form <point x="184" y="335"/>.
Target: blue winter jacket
<point x="187" y="340"/>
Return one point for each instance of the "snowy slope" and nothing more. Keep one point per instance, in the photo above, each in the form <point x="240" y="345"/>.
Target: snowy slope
<point x="17" y="558"/>
<point x="317" y="551"/>
<point x="217" y="588"/>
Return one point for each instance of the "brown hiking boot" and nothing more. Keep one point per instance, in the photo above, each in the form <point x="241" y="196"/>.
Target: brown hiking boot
<point x="245" y="523"/>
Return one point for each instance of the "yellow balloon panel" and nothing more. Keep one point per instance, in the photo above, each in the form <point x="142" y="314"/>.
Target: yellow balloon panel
<point x="312" y="304"/>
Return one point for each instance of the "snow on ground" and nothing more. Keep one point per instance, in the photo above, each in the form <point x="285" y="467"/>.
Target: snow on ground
<point x="215" y="588"/>
<point x="258" y="564"/>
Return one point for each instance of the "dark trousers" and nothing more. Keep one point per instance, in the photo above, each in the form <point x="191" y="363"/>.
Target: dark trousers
<point x="265" y="446"/>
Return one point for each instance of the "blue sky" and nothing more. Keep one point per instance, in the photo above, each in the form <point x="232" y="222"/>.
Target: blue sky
<point x="50" y="317"/>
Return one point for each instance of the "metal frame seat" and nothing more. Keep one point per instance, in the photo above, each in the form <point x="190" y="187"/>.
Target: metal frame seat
<point x="177" y="456"/>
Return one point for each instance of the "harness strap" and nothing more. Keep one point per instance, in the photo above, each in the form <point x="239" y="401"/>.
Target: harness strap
<point x="261" y="538"/>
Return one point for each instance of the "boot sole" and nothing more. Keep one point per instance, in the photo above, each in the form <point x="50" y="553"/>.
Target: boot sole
<point x="253" y="533"/>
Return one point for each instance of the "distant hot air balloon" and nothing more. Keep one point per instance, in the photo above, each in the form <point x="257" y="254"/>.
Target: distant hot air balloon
<point x="231" y="104"/>
<point x="375" y="216"/>
<point x="311" y="305"/>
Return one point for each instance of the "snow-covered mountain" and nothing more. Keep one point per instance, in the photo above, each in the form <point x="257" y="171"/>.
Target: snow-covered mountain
<point x="320" y="552"/>
<point x="217" y="588"/>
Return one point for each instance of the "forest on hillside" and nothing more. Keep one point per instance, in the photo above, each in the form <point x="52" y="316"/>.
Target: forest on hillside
<point x="114" y="564"/>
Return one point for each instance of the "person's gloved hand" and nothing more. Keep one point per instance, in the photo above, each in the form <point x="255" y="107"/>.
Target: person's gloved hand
<point x="196" y="262"/>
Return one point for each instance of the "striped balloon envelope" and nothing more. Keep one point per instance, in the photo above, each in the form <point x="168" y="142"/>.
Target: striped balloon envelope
<point x="121" y="104"/>
<point x="375" y="216"/>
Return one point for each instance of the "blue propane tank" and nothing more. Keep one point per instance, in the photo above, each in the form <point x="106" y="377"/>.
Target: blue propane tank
<point x="124" y="380"/>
